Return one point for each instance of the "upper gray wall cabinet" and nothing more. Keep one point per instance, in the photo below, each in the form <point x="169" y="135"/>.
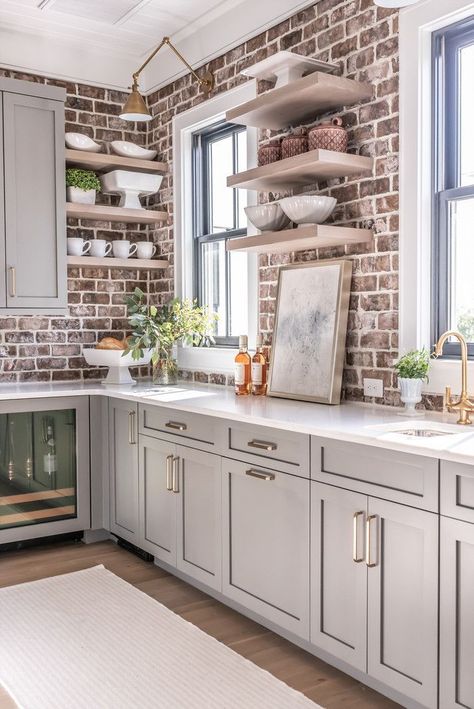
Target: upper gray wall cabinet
<point x="32" y="201"/>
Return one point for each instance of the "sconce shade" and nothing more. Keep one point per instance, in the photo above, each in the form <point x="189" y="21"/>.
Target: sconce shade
<point x="135" y="108"/>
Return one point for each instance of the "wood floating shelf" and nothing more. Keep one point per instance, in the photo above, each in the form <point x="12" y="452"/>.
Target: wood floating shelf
<point x="104" y="212"/>
<point x="299" y="101"/>
<point x="110" y="262"/>
<point x="101" y="162"/>
<point x="315" y="236"/>
<point x="301" y="170"/>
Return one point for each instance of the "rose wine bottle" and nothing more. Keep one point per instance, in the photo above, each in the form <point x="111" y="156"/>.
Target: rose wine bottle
<point x="259" y="370"/>
<point x="242" y="368"/>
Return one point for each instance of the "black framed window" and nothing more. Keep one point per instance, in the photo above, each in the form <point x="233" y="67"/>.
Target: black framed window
<point x="220" y="277"/>
<point x="453" y="242"/>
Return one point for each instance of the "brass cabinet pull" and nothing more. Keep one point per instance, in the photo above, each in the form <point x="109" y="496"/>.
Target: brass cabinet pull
<point x="12" y="272"/>
<point x="131" y="428"/>
<point x="263" y="445"/>
<point x="368" y="542"/>
<point x="176" y="425"/>
<point x="169" y="472"/>
<point x="355" y="538"/>
<point x="176" y="474"/>
<point x="261" y="476"/>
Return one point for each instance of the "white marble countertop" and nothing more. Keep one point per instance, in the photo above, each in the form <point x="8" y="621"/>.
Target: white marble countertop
<point x="358" y="423"/>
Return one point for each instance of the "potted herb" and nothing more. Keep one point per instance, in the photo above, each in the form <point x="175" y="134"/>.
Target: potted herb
<point x="159" y="329"/>
<point x="81" y="186"/>
<point x="412" y="370"/>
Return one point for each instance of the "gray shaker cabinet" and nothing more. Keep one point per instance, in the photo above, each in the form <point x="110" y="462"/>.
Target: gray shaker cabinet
<point x="180" y="508"/>
<point x="266" y="543"/>
<point x="123" y="457"/>
<point x="339" y="573"/>
<point x="456" y="615"/>
<point x="402" y="560"/>
<point x="33" y="227"/>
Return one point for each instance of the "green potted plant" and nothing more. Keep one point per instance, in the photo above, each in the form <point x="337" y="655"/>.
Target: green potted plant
<point x="412" y="370"/>
<point x="159" y="329"/>
<point x="81" y="186"/>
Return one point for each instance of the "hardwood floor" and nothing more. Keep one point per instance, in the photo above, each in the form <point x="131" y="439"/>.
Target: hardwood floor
<point x="317" y="680"/>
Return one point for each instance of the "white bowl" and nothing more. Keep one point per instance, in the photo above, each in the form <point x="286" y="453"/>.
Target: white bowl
<point x="130" y="150"/>
<point x="77" y="141"/>
<point x="130" y="185"/>
<point x="267" y="217"/>
<point x="308" y="209"/>
<point x="117" y="362"/>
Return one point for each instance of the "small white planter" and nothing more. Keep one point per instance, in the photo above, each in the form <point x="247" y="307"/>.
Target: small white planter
<point x="75" y="194"/>
<point x="410" y="394"/>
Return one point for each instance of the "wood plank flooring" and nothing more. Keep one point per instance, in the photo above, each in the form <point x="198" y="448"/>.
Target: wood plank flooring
<point x="317" y="680"/>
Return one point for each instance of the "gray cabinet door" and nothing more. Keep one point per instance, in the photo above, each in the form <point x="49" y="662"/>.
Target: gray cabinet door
<point x="199" y="516"/>
<point x="266" y="543"/>
<point x="123" y="457"/>
<point x="339" y="573"/>
<point x="157" y="499"/>
<point x="403" y="599"/>
<point x="3" y="292"/>
<point x="457" y="615"/>
<point x="35" y="221"/>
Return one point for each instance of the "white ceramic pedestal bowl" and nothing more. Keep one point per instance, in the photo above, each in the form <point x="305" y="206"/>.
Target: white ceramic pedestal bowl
<point x="130" y="185"/>
<point x="308" y="209"/>
<point x="267" y="217"/>
<point x="77" y="141"/>
<point x="285" y="67"/>
<point x="117" y="363"/>
<point x="129" y="150"/>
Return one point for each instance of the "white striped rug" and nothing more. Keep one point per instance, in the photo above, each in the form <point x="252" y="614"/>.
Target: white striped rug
<point x="89" y="640"/>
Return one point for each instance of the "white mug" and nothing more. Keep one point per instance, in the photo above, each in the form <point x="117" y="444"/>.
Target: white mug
<point x="100" y="248"/>
<point x="77" y="246"/>
<point x="146" y="249"/>
<point x="123" y="249"/>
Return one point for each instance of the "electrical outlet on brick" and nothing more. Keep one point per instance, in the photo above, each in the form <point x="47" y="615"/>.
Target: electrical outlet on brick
<point x="373" y="388"/>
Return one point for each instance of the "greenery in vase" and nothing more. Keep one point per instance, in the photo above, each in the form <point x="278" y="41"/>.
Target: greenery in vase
<point x="414" y="365"/>
<point x="159" y="329"/>
<point x="83" y="179"/>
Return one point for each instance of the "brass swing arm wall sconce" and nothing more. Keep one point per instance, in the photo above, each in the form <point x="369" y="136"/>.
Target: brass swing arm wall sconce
<point x="135" y="108"/>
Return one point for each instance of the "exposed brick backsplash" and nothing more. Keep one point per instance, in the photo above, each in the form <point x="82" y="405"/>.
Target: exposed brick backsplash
<point x="363" y="39"/>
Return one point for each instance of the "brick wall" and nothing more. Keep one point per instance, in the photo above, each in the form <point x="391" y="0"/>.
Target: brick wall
<point x="50" y="348"/>
<point x="363" y="39"/>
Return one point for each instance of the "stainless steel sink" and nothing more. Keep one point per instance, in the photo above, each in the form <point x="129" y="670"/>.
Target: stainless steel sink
<point x="425" y="433"/>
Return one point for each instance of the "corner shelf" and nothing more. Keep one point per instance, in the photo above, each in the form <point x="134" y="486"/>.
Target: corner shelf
<point x="109" y="262"/>
<point x="299" y="101"/>
<point x="315" y="236"/>
<point x="104" y="212"/>
<point x="301" y="170"/>
<point x="102" y="162"/>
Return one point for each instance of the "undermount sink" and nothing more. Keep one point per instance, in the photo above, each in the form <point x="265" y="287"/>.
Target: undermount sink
<point x="422" y="429"/>
<point x="425" y="433"/>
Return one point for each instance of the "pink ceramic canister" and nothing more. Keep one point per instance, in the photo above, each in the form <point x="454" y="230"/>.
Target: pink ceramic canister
<point x="328" y="136"/>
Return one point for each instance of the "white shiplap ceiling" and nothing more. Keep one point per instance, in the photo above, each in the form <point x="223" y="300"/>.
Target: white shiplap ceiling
<point x="103" y="41"/>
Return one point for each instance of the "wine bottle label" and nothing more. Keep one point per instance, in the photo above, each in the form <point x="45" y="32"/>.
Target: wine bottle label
<point x="239" y="374"/>
<point x="257" y="373"/>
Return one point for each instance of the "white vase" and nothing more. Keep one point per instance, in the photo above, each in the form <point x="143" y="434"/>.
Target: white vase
<point x="79" y="196"/>
<point x="410" y="393"/>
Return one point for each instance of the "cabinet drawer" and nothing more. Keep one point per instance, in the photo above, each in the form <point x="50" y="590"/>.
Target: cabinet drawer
<point x="200" y="431"/>
<point x="266" y="543"/>
<point x="283" y="450"/>
<point x="457" y="491"/>
<point x="391" y="475"/>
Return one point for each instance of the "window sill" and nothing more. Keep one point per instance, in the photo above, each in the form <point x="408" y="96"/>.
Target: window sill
<point x="447" y="372"/>
<point x="219" y="360"/>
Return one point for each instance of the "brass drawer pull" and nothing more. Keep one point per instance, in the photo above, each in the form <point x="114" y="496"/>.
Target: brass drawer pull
<point x="262" y="445"/>
<point x="355" y="538"/>
<point x="12" y="272"/>
<point x="131" y="428"/>
<point x="169" y="472"/>
<point x="368" y="542"/>
<point x="261" y="476"/>
<point x="176" y="474"/>
<point x="176" y="425"/>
